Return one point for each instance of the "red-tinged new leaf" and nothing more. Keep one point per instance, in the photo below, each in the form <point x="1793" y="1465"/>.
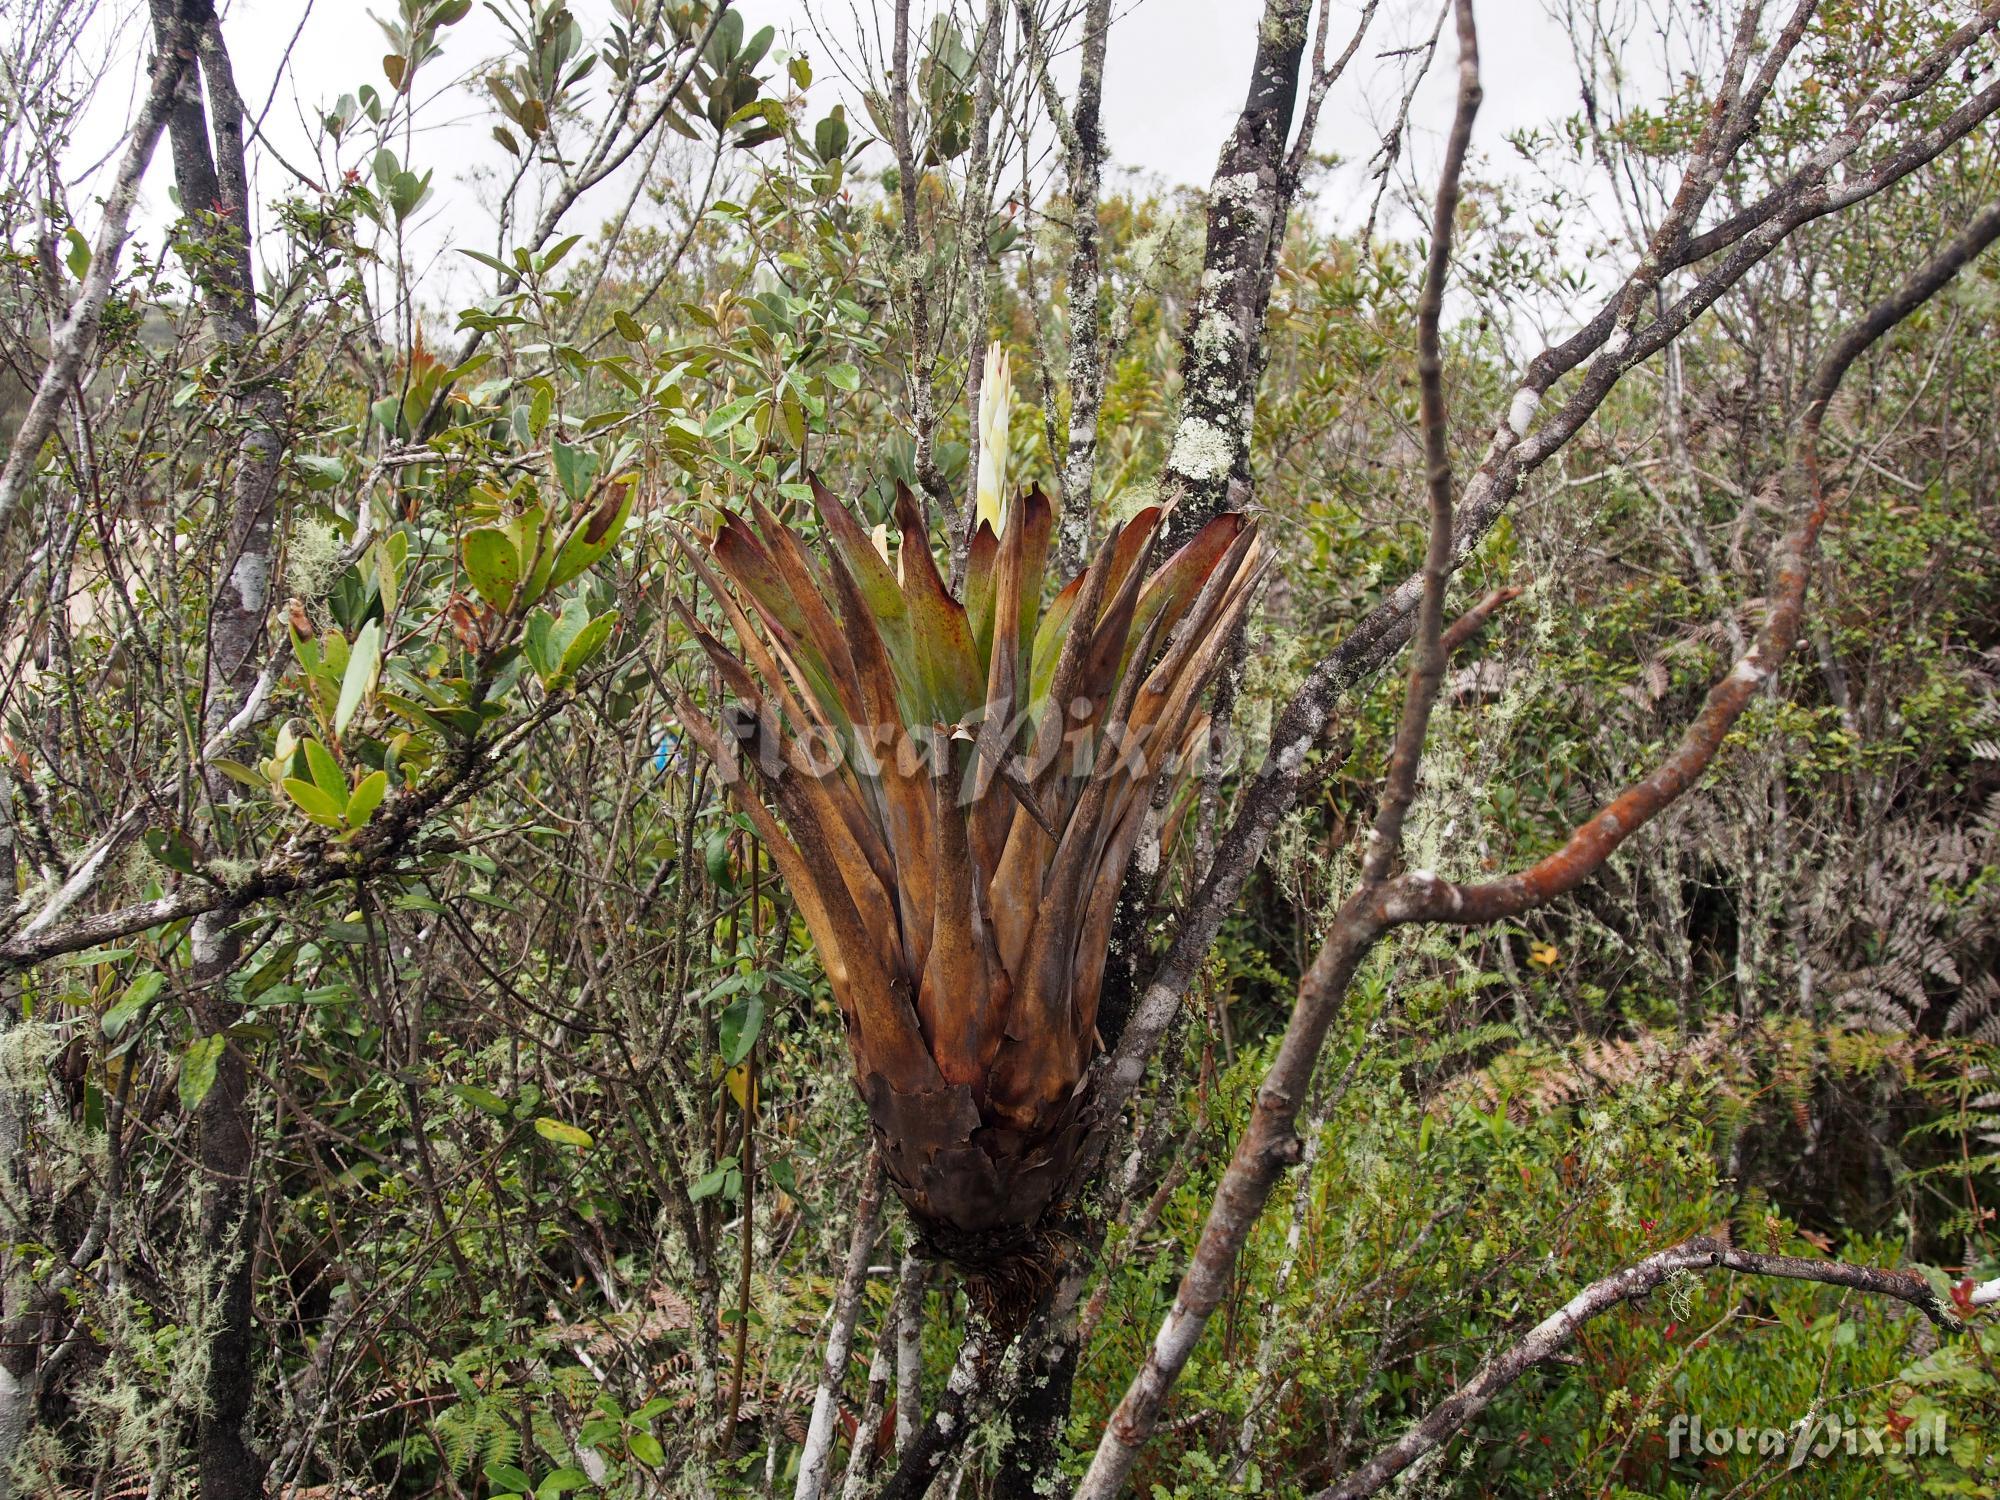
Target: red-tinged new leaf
<point x="980" y="559"/>
<point x="941" y="637"/>
<point x="876" y="583"/>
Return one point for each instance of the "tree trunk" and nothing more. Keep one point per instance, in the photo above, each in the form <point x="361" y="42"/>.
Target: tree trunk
<point x="1208" y="470"/>
<point x="206" y="131"/>
<point x="230" y="1469"/>
<point x="1031" y="1463"/>
<point x="20" y="1343"/>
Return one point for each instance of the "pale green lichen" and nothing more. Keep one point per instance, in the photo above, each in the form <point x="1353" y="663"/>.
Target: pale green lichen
<point x="1201" y="450"/>
<point x="1214" y="335"/>
<point x="312" y="557"/>
<point x="232" y="871"/>
<point x="1240" y="187"/>
<point x="140" y="871"/>
<point x="25" y="1050"/>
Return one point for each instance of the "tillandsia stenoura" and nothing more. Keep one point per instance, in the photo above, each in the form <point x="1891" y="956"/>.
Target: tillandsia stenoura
<point x="953" y="790"/>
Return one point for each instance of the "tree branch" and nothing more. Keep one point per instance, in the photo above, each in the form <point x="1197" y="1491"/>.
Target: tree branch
<point x="1270" y="1142"/>
<point x="914" y="272"/>
<point x="1208" y="467"/>
<point x="1556" y="1331"/>
<point x="974" y="242"/>
<point x="1512" y="454"/>
<point x="396" y="833"/>
<point x="73" y="340"/>
<point x="816" y="1455"/>
<point x="605" y="157"/>
<point x="1591" y="844"/>
<point x="1085" y="141"/>
<point x="1469" y="624"/>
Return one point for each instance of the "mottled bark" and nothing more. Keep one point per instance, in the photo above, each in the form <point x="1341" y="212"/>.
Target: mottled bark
<point x="1080" y="129"/>
<point x="1208" y="467"/>
<point x="1031" y="1461"/>
<point x="817" y="1454"/>
<point x="1086" y="325"/>
<point x="914" y="1278"/>
<point x="868" y="1428"/>
<point x="973" y="1383"/>
<point x="212" y="176"/>
<point x="1259" y="136"/>
<point x="229" y="1467"/>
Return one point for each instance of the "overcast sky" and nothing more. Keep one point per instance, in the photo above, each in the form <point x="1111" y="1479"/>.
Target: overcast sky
<point x="1175" y="77"/>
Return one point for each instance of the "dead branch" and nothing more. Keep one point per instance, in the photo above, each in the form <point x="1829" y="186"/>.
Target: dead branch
<point x="78" y="333"/>
<point x="1517" y="448"/>
<point x="1270" y="1142"/>
<point x="1554" y="1333"/>
<point x="817" y="1453"/>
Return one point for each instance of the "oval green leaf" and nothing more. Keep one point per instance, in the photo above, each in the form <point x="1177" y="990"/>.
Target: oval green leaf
<point x="363" y="660"/>
<point x="493" y="566"/>
<point x="550" y="1129"/>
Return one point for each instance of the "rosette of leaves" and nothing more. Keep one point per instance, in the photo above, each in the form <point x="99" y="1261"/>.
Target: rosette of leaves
<point x="952" y="789"/>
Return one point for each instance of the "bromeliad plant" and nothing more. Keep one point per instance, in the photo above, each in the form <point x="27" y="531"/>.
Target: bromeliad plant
<point x="962" y="784"/>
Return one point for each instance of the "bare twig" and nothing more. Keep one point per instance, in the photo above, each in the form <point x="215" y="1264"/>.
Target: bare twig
<point x="1548" y="1337"/>
<point x="1270" y="1143"/>
<point x="1518" y="447"/>
<point x="73" y="340"/>
<point x="817" y="1453"/>
<point x="1381" y="902"/>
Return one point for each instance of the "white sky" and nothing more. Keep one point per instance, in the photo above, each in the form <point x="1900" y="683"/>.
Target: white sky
<point x="1175" y="76"/>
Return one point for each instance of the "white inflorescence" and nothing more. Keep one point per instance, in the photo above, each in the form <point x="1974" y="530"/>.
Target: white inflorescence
<point x="1522" y="412"/>
<point x="996" y="405"/>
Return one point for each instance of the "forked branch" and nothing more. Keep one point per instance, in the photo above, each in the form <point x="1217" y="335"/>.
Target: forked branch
<point x="1381" y="902"/>
<point x="76" y="336"/>
<point x="1598" y="355"/>
<point x="1270" y="1143"/>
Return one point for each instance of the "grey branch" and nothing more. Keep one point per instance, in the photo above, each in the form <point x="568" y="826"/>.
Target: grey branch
<point x="817" y="1454"/>
<point x="73" y="341"/>
<point x="1554" y="1333"/>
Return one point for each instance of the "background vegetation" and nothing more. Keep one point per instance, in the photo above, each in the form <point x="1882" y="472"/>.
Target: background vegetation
<point x="551" y="1163"/>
